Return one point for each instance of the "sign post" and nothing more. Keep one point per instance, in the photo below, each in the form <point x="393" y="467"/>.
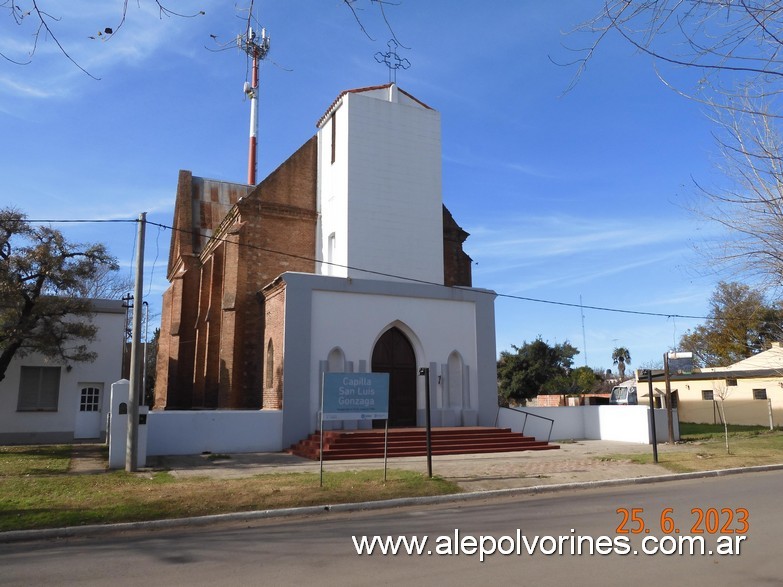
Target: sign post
<point x="354" y="396"/>
<point x="647" y="374"/>
<point x="425" y="371"/>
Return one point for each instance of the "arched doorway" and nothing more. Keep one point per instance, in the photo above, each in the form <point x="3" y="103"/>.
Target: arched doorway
<point x="393" y="354"/>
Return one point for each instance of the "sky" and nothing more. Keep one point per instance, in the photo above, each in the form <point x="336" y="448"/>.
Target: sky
<point x="572" y="196"/>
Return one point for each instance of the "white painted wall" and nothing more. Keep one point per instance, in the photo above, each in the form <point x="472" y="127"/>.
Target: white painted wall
<point x="332" y="196"/>
<point x="221" y="431"/>
<point x="620" y="423"/>
<point x="30" y="427"/>
<point x="119" y="395"/>
<point x="381" y="197"/>
<point x="354" y="322"/>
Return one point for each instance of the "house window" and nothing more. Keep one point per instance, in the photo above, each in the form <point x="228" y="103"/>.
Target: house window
<point x="731" y="381"/>
<point x="706" y="394"/>
<point x="39" y="389"/>
<point x="759" y="394"/>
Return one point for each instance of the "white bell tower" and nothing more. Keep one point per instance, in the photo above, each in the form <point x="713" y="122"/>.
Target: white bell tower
<point x="379" y="187"/>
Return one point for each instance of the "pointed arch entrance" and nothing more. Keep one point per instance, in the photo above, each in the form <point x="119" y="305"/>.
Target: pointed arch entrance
<point x="393" y="354"/>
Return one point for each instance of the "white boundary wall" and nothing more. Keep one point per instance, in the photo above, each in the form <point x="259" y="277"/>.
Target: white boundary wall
<point x="220" y="431"/>
<point x="234" y="431"/>
<point x="620" y="423"/>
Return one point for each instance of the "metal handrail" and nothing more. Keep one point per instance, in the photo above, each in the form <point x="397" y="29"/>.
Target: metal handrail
<point x="524" y="422"/>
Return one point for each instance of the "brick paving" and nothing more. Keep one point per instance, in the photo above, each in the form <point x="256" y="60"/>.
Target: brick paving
<point x="579" y="461"/>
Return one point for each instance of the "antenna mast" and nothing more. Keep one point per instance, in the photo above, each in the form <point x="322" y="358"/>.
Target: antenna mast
<point x="257" y="49"/>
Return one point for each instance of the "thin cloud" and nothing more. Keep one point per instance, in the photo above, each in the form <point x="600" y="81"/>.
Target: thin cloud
<point x="572" y="277"/>
<point x="25" y="90"/>
<point x="143" y="34"/>
<point x="556" y="236"/>
<point x="474" y="162"/>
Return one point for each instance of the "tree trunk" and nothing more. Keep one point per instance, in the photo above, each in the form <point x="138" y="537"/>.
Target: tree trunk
<point x="6" y="357"/>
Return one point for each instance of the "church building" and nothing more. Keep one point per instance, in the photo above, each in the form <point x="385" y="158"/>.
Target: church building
<point x="343" y="259"/>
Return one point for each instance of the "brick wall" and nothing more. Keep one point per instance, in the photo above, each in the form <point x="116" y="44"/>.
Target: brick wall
<point x="215" y="327"/>
<point x="457" y="268"/>
<point x="274" y="344"/>
<point x="550" y="401"/>
<point x="211" y="351"/>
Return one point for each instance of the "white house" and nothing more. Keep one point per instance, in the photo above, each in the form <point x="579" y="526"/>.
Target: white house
<point x="44" y="401"/>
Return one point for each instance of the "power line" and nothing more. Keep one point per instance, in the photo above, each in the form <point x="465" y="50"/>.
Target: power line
<point x="426" y="282"/>
<point x="602" y="309"/>
<point x="82" y="220"/>
<point x="383" y="274"/>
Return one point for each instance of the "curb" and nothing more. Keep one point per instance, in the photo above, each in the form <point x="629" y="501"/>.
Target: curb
<point x="100" y="529"/>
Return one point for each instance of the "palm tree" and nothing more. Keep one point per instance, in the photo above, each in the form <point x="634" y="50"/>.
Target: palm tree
<point x="621" y="356"/>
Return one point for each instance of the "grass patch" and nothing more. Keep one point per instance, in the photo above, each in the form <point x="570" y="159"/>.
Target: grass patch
<point x="693" y="431"/>
<point x="34" y="460"/>
<point x="674" y="464"/>
<point x="704" y="449"/>
<point x="48" y="501"/>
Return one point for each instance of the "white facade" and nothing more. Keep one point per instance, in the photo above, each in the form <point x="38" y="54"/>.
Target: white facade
<point x="371" y="315"/>
<point x="79" y="407"/>
<point x="379" y="187"/>
<point x="451" y="331"/>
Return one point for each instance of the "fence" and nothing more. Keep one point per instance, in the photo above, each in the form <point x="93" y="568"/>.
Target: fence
<point x="745" y="412"/>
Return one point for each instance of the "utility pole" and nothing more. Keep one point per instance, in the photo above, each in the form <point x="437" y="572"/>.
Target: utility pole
<point x="257" y="51"/>
<point x="132" y="445"/>
<point x="647" y="374"/>
<point x="669" y="415"/>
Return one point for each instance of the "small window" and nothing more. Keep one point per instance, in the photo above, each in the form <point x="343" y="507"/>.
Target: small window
<point x="331" y="245"/>
<point x="759" y="394"/>
<point x="90" y="400"/>
<point x="269" y="376"/>
<point x="706" y="394"/>
<point x="39" y="389"/>
<point x="731" y="381"/>
<point x="334" y="136"/>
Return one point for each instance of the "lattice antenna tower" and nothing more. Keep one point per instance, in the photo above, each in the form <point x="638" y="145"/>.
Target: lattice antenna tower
<point x="257" y="49"/>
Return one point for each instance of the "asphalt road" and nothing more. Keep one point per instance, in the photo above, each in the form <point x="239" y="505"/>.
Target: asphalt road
<point x="320" y="551"/>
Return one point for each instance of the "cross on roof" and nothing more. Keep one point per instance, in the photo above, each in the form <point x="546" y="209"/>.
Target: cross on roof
<point x="392" y="60"/>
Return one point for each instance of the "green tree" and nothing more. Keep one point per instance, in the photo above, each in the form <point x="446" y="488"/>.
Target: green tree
<point x="151" y="357"/>
<point x="580" y="380"/>
<point x="524" y="372"/>
<point x="620" y="357"/>
<point x="740" y="323"/>
<point x="43" y="281"/>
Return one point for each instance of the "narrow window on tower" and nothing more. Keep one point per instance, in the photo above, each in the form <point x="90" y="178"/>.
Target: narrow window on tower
<point x="334" y="135"/>
<point x="331" y="244"/>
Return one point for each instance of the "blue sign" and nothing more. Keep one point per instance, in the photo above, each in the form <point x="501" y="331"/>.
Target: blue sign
<point x="355" y="396"/>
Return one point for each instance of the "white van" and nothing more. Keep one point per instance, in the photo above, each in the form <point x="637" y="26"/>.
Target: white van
<point x="623" y="396"/>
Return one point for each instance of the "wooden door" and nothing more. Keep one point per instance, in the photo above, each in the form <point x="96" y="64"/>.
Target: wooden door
<point x="393" y="354"/>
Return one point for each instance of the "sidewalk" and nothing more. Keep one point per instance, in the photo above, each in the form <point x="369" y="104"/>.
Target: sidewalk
<point x="579" y="461"/>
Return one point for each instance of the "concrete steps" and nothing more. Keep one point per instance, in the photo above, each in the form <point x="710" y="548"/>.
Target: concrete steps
<point x="410" y="442"/>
